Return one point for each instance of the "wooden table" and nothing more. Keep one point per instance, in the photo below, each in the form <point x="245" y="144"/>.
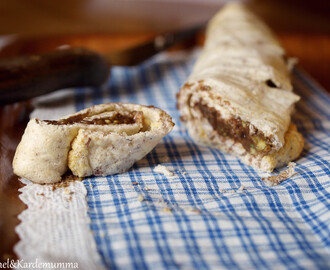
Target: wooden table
<point x="311" y="47"/>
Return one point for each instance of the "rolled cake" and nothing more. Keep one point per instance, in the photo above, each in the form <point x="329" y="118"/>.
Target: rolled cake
<point x="102" y="140"/>
<point x="239" y="96"/>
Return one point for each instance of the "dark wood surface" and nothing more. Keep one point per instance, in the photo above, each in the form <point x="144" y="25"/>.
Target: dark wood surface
<point x="13" y="119"/>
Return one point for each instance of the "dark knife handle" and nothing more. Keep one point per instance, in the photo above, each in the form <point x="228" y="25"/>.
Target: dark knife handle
<point x="25" y="77"/>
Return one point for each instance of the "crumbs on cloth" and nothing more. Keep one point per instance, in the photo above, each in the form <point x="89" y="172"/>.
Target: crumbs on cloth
<point x="275" y="180"/>
<point x="162" y="169"/>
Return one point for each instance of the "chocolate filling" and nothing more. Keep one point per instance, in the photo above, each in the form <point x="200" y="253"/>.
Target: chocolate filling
<point x="237" y="130"/>
<point x="116" y="118"/>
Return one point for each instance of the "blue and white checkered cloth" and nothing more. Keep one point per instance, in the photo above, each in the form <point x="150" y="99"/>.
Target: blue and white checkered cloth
<point x="200" y="218"/>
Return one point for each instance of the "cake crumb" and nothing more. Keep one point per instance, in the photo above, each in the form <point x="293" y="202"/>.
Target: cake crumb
<point x="66" y="180"/>
<point x="162" y="169"/>
<point x="275" y="180"/>
<point x="241" y="189"/>
<point x="135" y="183"/>
<point x="167" y="209"/>
<point x="194" y="210"/>
<point x="140" y="198"/>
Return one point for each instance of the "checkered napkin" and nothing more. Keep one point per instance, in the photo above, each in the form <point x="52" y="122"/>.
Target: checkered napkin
<point x="214" y="212"/>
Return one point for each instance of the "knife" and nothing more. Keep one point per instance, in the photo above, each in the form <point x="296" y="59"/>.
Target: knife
<point x="28" y="76"/>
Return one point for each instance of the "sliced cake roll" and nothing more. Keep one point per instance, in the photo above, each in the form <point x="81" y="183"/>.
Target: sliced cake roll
<point x="102" y="140"/>
<point x="239" y="96"/>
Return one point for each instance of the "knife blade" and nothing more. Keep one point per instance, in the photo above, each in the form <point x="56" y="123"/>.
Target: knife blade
<point x="29" y="76"/>
<point x="137" y="54"/>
